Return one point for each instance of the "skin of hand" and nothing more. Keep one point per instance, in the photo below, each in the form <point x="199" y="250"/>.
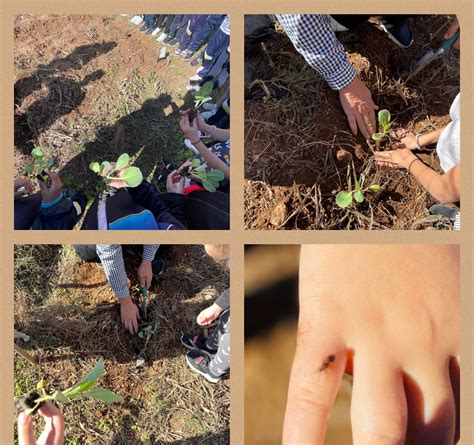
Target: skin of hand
<point x="129" y="314"/>
<point x="407" y="139"/>
<point x="54" y="190"/>
<point x="175" y="182"/>
<point x="202" y="126"/>
<point x="53" y="433"/>
<point x="400" y="158"/>
<point x="207" y="316"/>
<point x="453" y="27"/>
<point x="357" y="103"/>
<point x="190" y="131"/>
<point x="145" y="274"/>
<point x="23" y="182"/>
<point x="390" y="315"/>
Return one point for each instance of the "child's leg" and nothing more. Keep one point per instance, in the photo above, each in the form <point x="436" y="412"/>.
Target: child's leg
<point x="220" y="340"/>
<point x="149" y="21"/>
<point x="216" y="45"/>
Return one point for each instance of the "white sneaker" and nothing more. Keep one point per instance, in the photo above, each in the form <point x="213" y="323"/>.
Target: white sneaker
<point x="123" y="15"/>
<point x="156" y="32"/>
<point x="194" y="88"/>
<point x="195" y="78"/>
<point x="209" y="106"/>
<point x="162" y="37"/>
<point x="137" y="19"/>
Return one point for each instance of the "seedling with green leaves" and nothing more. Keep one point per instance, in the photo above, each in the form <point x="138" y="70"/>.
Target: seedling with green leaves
<point x="209" y="179"/>
<point x="345" y="198"/>
<point x="132" y="176"/>
<point x="85" y="388"/>
<point x="39" y="162"/>
<point x="384" y="118"/>
<point x="203" y="95"/>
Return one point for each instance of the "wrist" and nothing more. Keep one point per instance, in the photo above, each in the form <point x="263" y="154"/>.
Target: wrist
<point x="125" y="301"/>
<point x="407" y="160"/>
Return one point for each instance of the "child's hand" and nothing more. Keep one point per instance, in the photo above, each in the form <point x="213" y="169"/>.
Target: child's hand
<point x="190" y="131"/>
<point x="53" y="432"/>
<point x="390" y="315"/>
<point x="202" y="126"/>
<point x="407" y="139"/>
<point x="145" y="274"/>
<point x="394" y="158"/>
<point x="53" y="191"/>
<point x="175" y="183"/>
<point x="207" y="316"/>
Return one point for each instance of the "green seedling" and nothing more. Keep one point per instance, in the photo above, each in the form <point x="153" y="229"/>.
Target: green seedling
<point x="85" y="388"/>
<point x="203" y="95"/>
<point x="209" y="179"/>
<point x="384" y="118"/>
<point x="344" y="198"/>
<point x="132" y="176"/>
<point x="39" y="163"/>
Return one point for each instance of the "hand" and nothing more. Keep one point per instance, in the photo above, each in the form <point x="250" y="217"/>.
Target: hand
<point x="23" y="182"/>
<point x="202" y="126"/>
<point x="407" y="139"/>
<point x="394" y="158"/>
<point x="116" y="183"/>
<point x="453" y="27"/>
<point x="51" y="192"/>
<point x="190" y="131"/>
<point x="393" y="322"/>
<point x="207" y="316"/>
<point x="145" y="274"/>
<point x="129" y="314"/>
<point x="357" y="103"/>
<point x="53" y="433"/>
<point x="175" y="183"/>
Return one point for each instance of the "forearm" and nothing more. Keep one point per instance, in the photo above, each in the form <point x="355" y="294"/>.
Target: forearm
<point x="430" y="138"/>
<point x="149" y="251"/>
<point x="444" y="188"/>
<point x="212" y="160"/>
<point x="220" y="135"/>
<point x="114" y="267"/>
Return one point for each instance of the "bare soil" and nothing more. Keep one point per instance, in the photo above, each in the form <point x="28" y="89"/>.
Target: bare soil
<point x="72" y="318"/>
<point x="299" y="150"/>
<point x="88" y="88"/>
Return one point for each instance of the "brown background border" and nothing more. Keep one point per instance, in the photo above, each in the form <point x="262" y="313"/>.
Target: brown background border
<point x="237" y="236"/>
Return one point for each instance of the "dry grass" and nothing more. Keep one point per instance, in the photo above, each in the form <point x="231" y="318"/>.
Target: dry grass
<point x="292" y="139"/>
<point x="72" y="319"/>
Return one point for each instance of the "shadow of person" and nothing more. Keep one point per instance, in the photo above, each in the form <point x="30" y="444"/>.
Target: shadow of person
<point x="148" y="134"/>
<point x="76" y="60"/>
<point x="65" y="95"/>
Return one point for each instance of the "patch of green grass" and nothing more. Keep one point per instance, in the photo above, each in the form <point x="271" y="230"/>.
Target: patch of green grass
<point x="25" y="378"/>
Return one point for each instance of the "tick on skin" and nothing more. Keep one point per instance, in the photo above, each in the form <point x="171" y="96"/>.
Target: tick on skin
<point x="327" y="362"/>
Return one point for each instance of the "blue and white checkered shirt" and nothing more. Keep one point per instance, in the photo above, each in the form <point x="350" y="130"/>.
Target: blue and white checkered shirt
<point x="315" y="40"/>
<point x="111" y="258"/>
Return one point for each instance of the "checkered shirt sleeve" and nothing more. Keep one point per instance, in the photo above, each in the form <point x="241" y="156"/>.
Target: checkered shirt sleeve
<point x="314" y="39"/>
<point x="111" y="258"/>
<point x="149" y="251"/>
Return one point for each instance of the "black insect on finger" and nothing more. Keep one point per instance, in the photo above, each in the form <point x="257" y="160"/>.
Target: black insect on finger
<point x="327" y="362"/>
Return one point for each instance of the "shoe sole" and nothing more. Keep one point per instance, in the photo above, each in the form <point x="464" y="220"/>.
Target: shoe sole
<point x="206" y="376"/>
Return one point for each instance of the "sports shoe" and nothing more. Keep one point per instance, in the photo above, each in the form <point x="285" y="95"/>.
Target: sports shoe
<point x="178" y="52"/>
<point x="200" y="363"/>
<point x="187" y="55"/>
<point x="196" y="62"/>
<point x="162" y="37"/>
<point x="193" y="88"/>
<point x="401" y="34"/>
<point x="448" y="212"/>
<point x="148" y="32"/>
<point x="155" y="32"/>
<point x="195" y="78"/>
<point x="172" y="42"/>
<point x="136" y="19"/>
<point x="196" y="343"/>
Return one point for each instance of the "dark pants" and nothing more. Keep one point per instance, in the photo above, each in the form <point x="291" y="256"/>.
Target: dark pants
<point x="87" y="252"/>
<point x="193" y="26"/>
<point x="217" y="44"/>
<point x="149" y="21"/>
<point x="160" y="21"/>
<point x="354" y="20"/>
<point x="174" y="29"/>
<point x="211" y="24"/>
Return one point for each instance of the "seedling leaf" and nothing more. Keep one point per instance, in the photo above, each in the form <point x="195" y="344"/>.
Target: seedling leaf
<point x="104" y="395"/>
<point x="95" y="167"/>
<point x="95" y="373"/>
<point x="375" y="188"/>
<point x="132" y="176"/>
<point x="122" y="161"/>
<point x="344" y="199"/>
<point x="378" y="136"/>
<point x="37" y="153"/>
<point x="206" y="89"/>
<point x="104" y="166"/>
<point x="215" y="175"/>
<point x="29" y="168"/>
<point x="196" y="162"/>
<point x="49" y="164"/>
<point x="384" y="118"/>
<point x="359" y="196"/>
<point x="209" y="186"/>
<point x="58" y="396"/>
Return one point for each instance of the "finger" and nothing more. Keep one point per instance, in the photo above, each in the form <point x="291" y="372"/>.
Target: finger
<point x="25" y="430"/>
<point x="379" y="406"/>
<point x="55" y="179"/>
<point x="372" y="120"/>
<point x="352" y="123"/>
<point x="362" y="127"/>
<point x="453" y="27"/>
<point x="433" y="413"/>
<point x="312" y="391"/>
<point x="54" y="429"/>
